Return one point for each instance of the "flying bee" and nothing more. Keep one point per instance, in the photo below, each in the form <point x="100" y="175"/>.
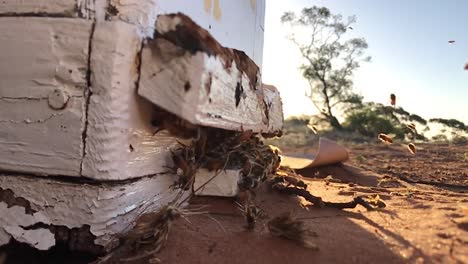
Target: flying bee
<point x="451" y="41"/>
<point x="313" y="128"/>
<point x="412" y="148"/>
<point x="466" y="67"/>
<point x="385" y="138"/>
<point x="393" y="99"/>
<point x="411" y="126"/>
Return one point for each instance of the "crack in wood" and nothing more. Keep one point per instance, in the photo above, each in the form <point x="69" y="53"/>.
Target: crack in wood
<point x="87" y="94"/>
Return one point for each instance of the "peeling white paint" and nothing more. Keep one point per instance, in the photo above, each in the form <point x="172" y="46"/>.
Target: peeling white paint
<point x="4" y="237"/>
<point x="211" y="99"/>
<point x="120" y="142"/>
<point x="50" y="54"/>
<point x="141" y="13"/>
<point x="109" y="209"/>
<point x="273" y="100"/>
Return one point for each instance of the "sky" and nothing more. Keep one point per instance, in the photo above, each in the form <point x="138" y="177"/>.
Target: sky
<point x="408" y="42"/>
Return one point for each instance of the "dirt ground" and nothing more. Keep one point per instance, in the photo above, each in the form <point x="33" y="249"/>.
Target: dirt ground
<point x="422" y="223"/>
<point x="425" y="219"/>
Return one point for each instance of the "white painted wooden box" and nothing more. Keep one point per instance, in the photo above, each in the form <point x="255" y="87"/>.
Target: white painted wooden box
<point x="69" y="71"/>
<point x="79" y="81"/>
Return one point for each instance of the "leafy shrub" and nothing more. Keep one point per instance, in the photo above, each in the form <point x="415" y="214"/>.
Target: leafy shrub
<point x="370" y="123"/>
<point x="453" y="123"/>
<point x="416" y="118"/>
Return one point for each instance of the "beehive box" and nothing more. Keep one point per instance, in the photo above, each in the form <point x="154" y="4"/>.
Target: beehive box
<point x="79" y="84"/>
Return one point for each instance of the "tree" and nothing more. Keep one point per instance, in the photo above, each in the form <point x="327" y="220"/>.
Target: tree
<point x="328" y="60"/>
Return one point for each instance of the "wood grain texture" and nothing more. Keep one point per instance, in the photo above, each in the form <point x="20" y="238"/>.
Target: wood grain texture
<point x="50" y="56"/>
<point x="120" y="142"/>
<point x="44" y="7"/>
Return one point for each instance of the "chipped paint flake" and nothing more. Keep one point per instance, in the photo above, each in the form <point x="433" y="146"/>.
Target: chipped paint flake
<point x="106" y="208"/>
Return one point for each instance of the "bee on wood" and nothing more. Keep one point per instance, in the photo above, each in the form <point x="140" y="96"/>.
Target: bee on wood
<point x="385" y="138"/>
<point x="185" y="168"/>
<point x="412" y="148"/>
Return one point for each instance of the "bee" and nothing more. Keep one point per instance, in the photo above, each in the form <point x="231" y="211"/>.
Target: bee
<point x="411" y="126"/>
<point x="377" y="202"/>
<point x="466" y="67"/>
<point x="295" y="181"/>
<point x="412" y="148"/>
<point x="245" y="135"/>
<point x="385" y="139"/>
<point x="288" y="227"/>
<point x="185" y="168"/>
<point x="251" y="213"/>
<point x="451" y="41"/>
<point x="313" y="128"/>
<point x="393" y="99"/>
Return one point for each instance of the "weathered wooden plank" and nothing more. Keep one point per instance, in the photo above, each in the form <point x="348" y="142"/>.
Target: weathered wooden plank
<point x="90" y="9"/>
<point x="187" y="72"/>
<point x="107" y="208"/>
<point x="42" y="94"/>
<point x="43" y="7"/>
<point x="120" y="142"/>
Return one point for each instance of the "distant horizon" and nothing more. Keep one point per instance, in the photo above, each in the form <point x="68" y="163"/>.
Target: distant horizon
<point x="411" y="56"/>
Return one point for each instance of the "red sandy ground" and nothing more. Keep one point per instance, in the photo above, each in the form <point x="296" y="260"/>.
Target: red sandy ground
<point x="421" y="223"/>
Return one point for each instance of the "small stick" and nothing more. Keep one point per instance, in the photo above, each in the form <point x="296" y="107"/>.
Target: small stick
<point x="317" y="201"/>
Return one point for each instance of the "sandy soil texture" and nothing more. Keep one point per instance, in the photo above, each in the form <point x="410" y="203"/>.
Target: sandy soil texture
<point x="424" y="222"/>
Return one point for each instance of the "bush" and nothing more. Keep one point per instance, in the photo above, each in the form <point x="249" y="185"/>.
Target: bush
<point x="370" y="123"/>
<point x="453" y="123"/>
<point x="416" y="118"/>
